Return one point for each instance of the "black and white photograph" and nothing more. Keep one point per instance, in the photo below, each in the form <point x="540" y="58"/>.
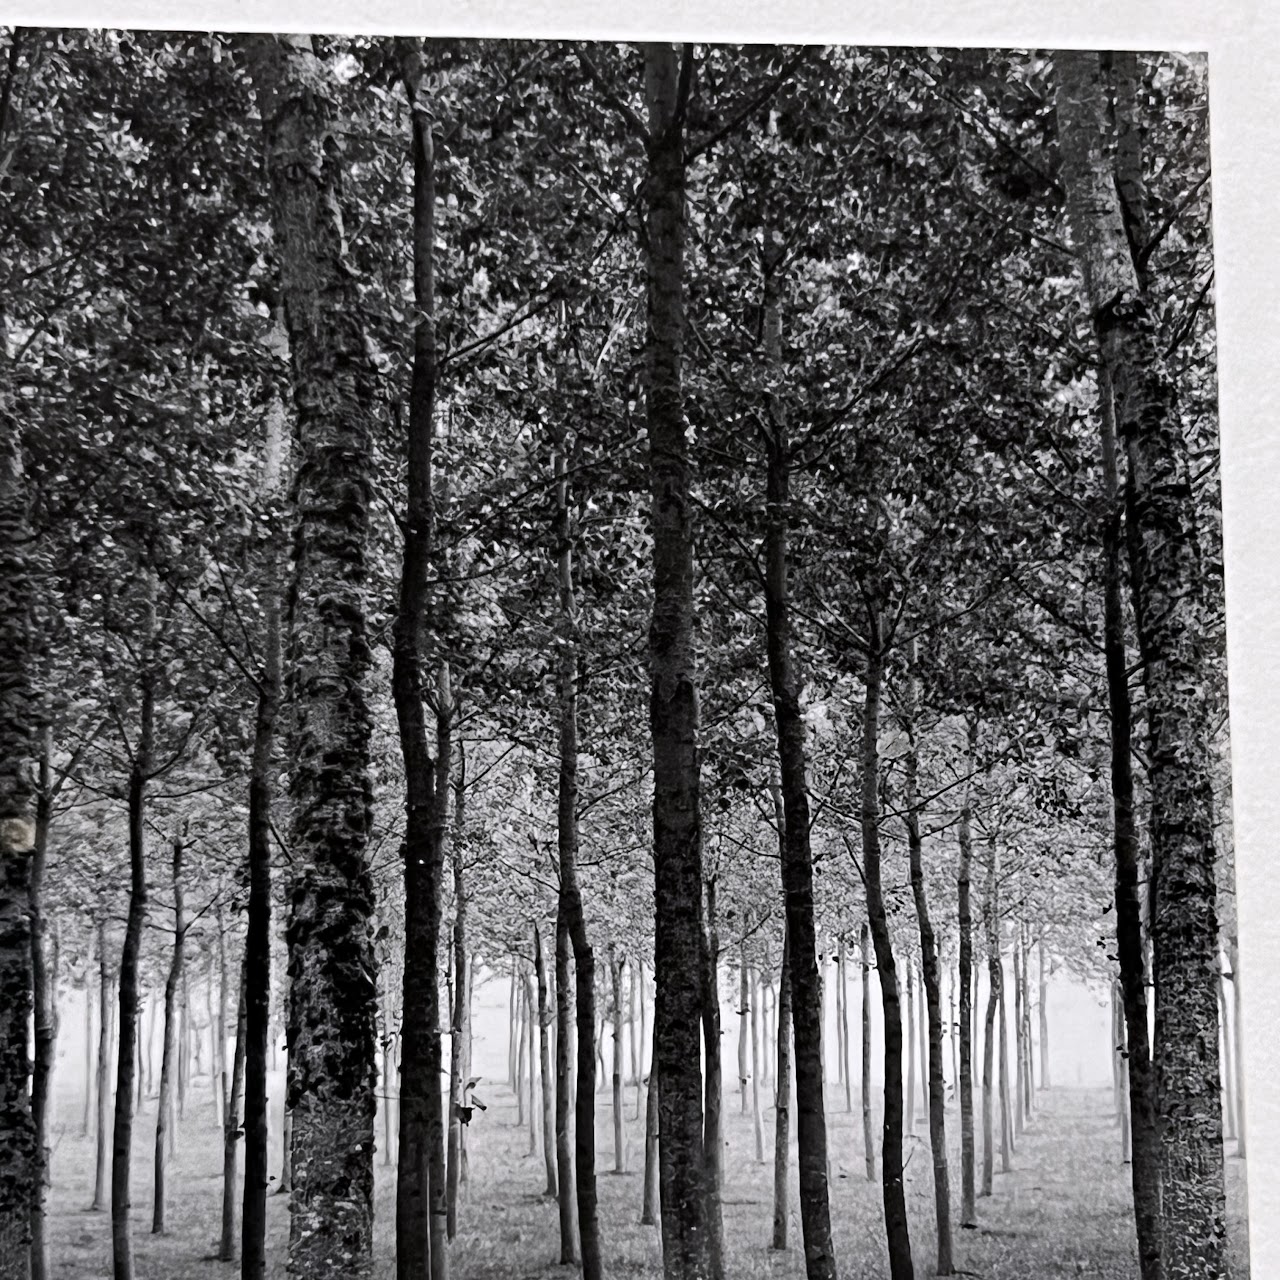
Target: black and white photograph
<point x="614" y="662"/>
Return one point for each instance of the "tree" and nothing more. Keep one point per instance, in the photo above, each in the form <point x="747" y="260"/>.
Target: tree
<point x="332" y="1039"/>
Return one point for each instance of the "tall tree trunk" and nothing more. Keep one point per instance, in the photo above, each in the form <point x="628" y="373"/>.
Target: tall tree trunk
<point x="1168" y="583"/>
<point x="544" y="1061"/>
<point x="713" y="1128"/>
<point x="285" y="1185"/>
<point x="931" y="982"/>
<point x="842" y="975"/>
<point x="511" y="1027"/>
<point x="19" y="723"/>
<point x="990" y="908"/>
<point x="164" y="1106"/>
<point x="231" y="1129"/>
<point x="910" y="1123"/>
<point x="253" y="1250"/>
<point x="757" y="1070"/>
<point x="1044" y="1017"/>
<point x="1145" y="1169"/>
<point x="1228" y="1070"/>
<point x="564" y="1098"/>
<point x="968" y="1209"/>
<point x="570" y="916"/>
<point x="459" y="1048"/>
<point x="88" y="1054"/>
<point x="531" y="1030"/>
<point x="104" y="1060"/>
<point x="127" y="1049"/>
<point x="619" y="1125"/>
<point x="421" y="1191"/>
<point x="649" y="1203"/>
<point x="1233" y="955"/>
<point x="673" y="706"/>
<point x="1002" y="1049"/>
<point x="744" y="1014"/>
<point x="868" y="1135"/>
<point x="782" y="1087"/>
<point x="333" y="992"/>
<point x="1019" y="1057"/>
<point x="44" y="994"/>
<point x="639" y="1028"/>
<point x="897" y="1228"/>
<point x="797" y="855"/>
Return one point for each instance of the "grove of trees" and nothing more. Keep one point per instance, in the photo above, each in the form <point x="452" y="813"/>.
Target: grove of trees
<point x="388" y="425"/>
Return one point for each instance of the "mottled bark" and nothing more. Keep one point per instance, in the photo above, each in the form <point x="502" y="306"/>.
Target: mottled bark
<point x="333" y="994"/>
<point x="649" y="1196"/>
<point x="1169" y="585"/>
<point x="19" y="1160"/>
<point x="673" y="707"/>
<point x="1145" y="1169"/>
<point x="897" y="1228"/>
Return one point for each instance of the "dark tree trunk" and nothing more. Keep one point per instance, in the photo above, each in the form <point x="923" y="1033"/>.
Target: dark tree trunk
<point x="421" y="1190"/>
<point x="757" y="1070"/>
<point x="1019" y="1108"/>
<point x="619" y="1127"/>
<point x="782" y="1090"/>
<point x="1169" y="585"/>
<point x="253" y="1250"/>
<point x="868" y="1135"/>
<point x="673" y="707"/>
<point x="44" y="994"/>
<point x="1145" y="1169"/>
<point x="968" y="1210"/>
<point x="931" y="982"/>
<point x="895" y="1202"/>
<point x="797" y="854"/>
<point x="713" y="1129"/>
<point x="459" y="1049"/>
<point x="649" y="1204"/>
<point x="164" y="1105"/>
<point x="910" y="1122"/>
<point x="104" y="1066"/>
<point x="127" y="1050"/>
<point x="231" y="1129"/>
<point x="333" y="990"/>
<point x="544" y="1060"/>
<point x="19" y="1160"/>
<point x="564" y="1097"/>
<point x="989" y="908"/>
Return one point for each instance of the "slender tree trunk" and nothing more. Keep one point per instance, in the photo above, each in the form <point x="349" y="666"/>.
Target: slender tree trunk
<point x="1169" y="585"/>
<point x="511" y="1028"/>
<point x="931" y="983"/>
<point x="782" y="1090"/>
<point x="104" y="1060"/>
<point x="253" y="1255"/>
<point x="20" y="1159"/>
<point x="713" y="1130"/>
<point x="1228" y="1069"/>
<point x="990" y="907"/>
<point x="333" y="990"/>
<point x="1044" y="1018"/>
<point x="649" y="1205"/>
<point x="673" y="707"/>
<point x="44" y="995"/>
<point x="421" y="1191"/>
<point x="1233" y="955"/>
<point x="1019" y="1109"/>
<point x="1002" y="1049"/>
<point x="534" y="1088"/>
<point x="460" y="1045"/>
<point x="183" y="1052"/>
<point x="868" y="1135"/>
<point x="842" y="972"/>
<point x="744" y="1013"/>
<point x="641" y="1032"/>
<point x="757" y="1070"/>
<point x="619" y="1125"/>
<point x="797" y="855"/>
<point x="285" y="1185"/>
<point x="544" y="1058"/>
<point x="164" y="1106"/>
<point x="968" y="1209"/>
<point x="911" y="1050"/>
<point x="231" y="1129"/>
<point x="564" y="1098"/>
<point x="1145" y="1171"/>
<point x="88" y="1056"/>
<point x="897" y="1228"/>
<point x="127" y="1050"/>
<point x="522" y="1044"/>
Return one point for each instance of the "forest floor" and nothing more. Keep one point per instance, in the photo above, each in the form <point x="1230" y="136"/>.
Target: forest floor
<point x="1063" y="1210"/>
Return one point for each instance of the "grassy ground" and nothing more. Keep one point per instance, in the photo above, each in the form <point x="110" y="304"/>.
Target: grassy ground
<point x="1062" y="1211"/>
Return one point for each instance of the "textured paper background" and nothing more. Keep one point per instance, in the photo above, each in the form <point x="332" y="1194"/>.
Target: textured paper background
<point x="1243" y="41"/>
